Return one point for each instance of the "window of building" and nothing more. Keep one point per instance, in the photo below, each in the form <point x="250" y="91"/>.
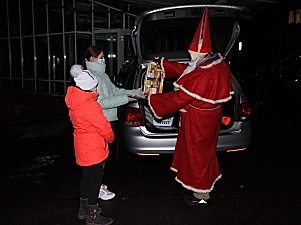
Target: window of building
<point x="294" y="16"/>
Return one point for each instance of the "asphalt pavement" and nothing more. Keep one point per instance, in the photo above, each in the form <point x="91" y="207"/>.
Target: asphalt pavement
<point x="40" y="180"/>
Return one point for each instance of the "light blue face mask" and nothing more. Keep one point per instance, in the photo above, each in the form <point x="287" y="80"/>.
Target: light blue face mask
<point x="102" y="61"/>
<point x="101" y="67"/>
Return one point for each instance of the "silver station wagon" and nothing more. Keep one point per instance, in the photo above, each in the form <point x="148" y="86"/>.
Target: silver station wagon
<point x="167" y="32"/>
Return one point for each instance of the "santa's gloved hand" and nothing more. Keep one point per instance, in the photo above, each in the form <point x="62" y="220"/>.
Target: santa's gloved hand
<point x="157" y="59"/>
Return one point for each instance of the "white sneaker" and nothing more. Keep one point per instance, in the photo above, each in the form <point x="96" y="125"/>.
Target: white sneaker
<point x="104" y="193"/>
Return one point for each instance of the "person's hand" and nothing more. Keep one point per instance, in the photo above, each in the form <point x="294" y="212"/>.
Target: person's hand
<point x="130" y="99"/>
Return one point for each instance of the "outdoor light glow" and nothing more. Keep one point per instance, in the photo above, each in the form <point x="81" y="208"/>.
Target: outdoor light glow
<point x="112" y="56"/>
<point x="240" y="46"/>
<point x="146" y="154"/>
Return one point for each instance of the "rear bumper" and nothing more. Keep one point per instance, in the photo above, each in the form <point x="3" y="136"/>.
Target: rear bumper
<point x="134" y="140"/>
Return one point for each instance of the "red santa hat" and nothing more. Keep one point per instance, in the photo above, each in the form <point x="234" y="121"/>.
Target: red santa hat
<point x="201" y="42"/>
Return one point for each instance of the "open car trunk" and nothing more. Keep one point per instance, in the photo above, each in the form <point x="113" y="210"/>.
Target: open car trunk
<point x="170" y="123"/>
<point x="167" y="33"/>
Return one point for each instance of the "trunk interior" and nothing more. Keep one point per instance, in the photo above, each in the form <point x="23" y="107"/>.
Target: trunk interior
<point x="170" y="123"/>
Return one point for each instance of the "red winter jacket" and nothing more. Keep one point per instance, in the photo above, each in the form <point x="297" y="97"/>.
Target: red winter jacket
<point x="92" y="131"/>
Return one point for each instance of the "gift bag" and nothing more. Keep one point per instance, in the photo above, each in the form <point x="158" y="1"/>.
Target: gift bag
<point x="153" y="80"/>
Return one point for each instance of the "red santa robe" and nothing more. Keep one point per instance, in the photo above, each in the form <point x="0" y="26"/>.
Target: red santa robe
<point x="199" y="99"/>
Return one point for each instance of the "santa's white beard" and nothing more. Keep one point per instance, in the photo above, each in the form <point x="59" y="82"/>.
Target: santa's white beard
<point x="194" y="55"/>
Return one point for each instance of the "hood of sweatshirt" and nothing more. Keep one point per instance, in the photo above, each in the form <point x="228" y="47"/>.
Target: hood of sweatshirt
<point x="76" y="97"/>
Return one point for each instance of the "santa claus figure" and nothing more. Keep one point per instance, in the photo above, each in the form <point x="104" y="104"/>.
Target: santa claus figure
<point x="201" y="87"/>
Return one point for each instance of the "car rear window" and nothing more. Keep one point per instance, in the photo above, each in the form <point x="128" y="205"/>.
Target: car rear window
<point x="171" y="38"/>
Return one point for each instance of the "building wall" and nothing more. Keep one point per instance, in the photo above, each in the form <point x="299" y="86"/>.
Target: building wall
<point x="40" y="40"/>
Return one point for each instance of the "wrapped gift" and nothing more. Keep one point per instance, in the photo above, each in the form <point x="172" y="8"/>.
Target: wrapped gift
<point x="153" y="81"/>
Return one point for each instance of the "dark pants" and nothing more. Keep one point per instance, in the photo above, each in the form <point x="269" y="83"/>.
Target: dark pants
<point x="90" y="183"/>
<point x="114" y="128"/>
<point x="114" y="144"/>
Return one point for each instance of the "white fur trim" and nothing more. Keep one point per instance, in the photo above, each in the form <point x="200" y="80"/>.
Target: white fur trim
<point x="219" y="60"/>
<point x="202" y="98"/>
<point x="195" y="189"/>
<point x="199" y="190"/>
<point x="173" y="169"/>
<point x="158" y="117"/>
<point x="204" y="109"/>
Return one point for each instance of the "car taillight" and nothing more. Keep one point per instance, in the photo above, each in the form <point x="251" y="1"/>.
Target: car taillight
<point x="245" y="111"/>
<point x="226" y="120"/>
<point x="131" y="116"/>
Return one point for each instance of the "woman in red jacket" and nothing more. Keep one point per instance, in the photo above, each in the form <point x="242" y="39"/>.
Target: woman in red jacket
<point x="92" y="133"/>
